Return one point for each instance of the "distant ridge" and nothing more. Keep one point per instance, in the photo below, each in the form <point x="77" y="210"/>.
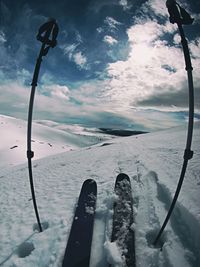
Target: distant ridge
<point x="120" y="132"/>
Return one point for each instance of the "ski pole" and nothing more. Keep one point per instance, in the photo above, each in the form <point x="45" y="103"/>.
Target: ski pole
<point x="47" y="34"/>
<point x="180" y="16"/>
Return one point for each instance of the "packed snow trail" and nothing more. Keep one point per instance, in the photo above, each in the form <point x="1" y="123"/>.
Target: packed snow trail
<point x="152" y="161"/>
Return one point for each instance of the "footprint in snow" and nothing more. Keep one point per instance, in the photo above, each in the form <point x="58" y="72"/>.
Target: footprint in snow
<point x="25" y="249"/>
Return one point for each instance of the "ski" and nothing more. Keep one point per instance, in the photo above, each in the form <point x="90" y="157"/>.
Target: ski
<point x="122" y="233"/>
<point x="77" y="253"/>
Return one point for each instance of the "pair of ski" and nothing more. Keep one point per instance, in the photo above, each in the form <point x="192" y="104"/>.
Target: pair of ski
<point x="77" y="253"/>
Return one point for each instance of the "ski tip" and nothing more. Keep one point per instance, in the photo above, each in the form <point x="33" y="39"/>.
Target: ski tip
<point x="91" y="184"/>
<point x="89" y="181"/>
<point x="121" y="176"/>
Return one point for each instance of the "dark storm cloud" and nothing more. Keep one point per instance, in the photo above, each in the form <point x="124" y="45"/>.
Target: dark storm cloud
<point x="177" y="98"/>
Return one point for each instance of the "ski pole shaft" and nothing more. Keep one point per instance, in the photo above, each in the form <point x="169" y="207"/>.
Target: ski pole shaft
<point x="32" y="96"/>
<point x="33" y="194"/>
<point x="188" y="153"/>
<point x="173" y="202"/>
<point x="45" y="31"/>
<point x="30" y="153"/>
<point x="191" y="111"/>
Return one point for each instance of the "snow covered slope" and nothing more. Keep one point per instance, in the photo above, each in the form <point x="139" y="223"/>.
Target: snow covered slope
<point x="48" y="138"/>
<point x="152" y="161"/>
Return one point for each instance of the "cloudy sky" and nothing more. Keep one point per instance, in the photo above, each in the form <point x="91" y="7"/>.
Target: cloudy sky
<point x="118" y="63"/>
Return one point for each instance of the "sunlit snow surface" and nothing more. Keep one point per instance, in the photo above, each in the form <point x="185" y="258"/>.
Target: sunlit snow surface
<point x="48" y="138"/>
<point x="153" y="162"/>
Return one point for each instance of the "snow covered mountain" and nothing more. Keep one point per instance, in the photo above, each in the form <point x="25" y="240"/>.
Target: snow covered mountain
<point x="153" y="162"/>
<point x="48" y="138"/>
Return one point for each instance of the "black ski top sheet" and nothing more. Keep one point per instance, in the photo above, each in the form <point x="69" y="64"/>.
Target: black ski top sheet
<point x="77" y="253"/>
<point x="122" y="233"/>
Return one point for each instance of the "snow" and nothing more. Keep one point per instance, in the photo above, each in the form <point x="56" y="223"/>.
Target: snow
<point x="113" y="254"/>
<point x="153" y="162"/>
<point x="48" y="138"/>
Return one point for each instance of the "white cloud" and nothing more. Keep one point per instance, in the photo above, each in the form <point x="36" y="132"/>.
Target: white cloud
<point x="99" y="29"/>
<point x="54" y="104"/>
<point x="95" y="109"/>
<point x="74" y="55"/>
<point x="124" y="4"/>
<point x="6" y="59"/>
<point x="110" y="40"/>
<point x="46" y="79"/>
<point x="195" y="48"/>
<point x="80" y="59"/>
<point x="153" y="67"/>
<point x="2" y="37"/>
<point x="157" y="6"/>
<point x="111" y="23"/>
<point x="169" y="27"/>
<point x="78" y="37"/>
<point x="13" y="99"/>
<point x="24" y="75"/>
<point x="145" y="33"/>
<point x="59" y="91"/>
<point x="69" y="50"/>
<point x="176" y="39"/>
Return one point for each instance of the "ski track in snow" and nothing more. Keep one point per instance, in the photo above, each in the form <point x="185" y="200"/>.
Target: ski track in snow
<point x="58" y="180"/>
